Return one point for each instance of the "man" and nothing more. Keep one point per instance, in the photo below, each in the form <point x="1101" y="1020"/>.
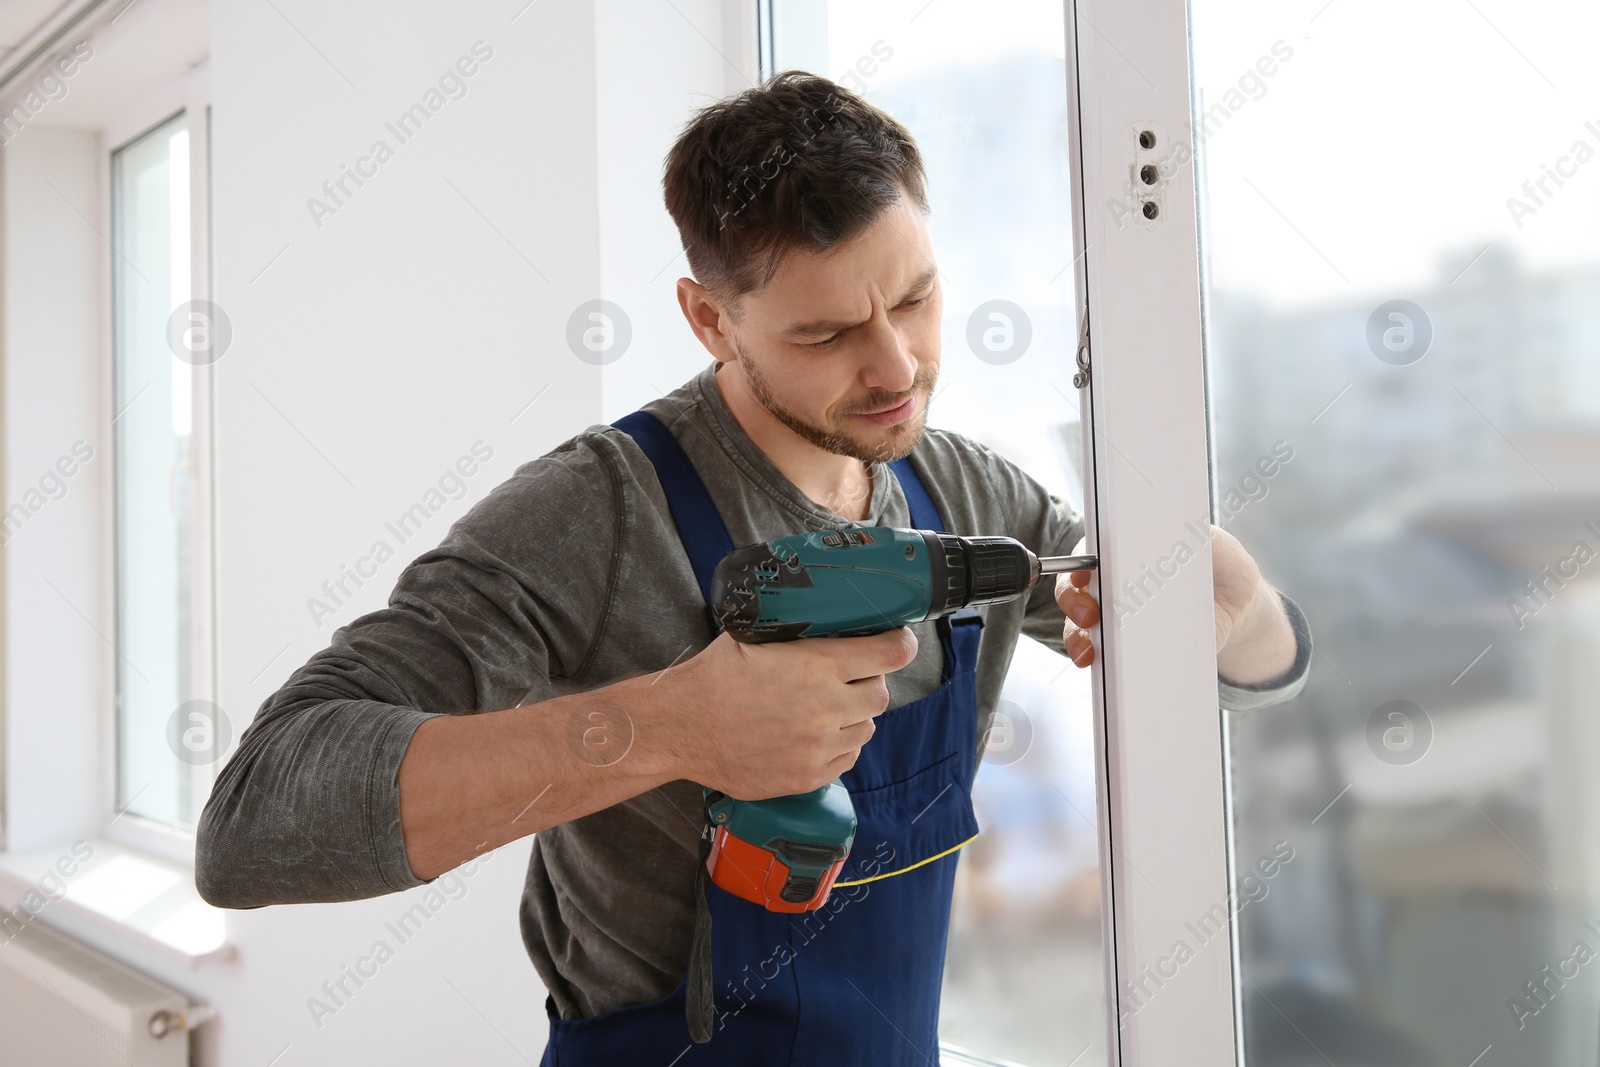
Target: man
<point x="567" y="612"/>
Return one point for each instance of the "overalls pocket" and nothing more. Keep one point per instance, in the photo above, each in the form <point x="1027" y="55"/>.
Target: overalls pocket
<point x="908" y="823"/>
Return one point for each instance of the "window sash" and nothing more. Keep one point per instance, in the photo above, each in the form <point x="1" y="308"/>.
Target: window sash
<point x="128" y="819"/>
<point x="1166" y="855"/>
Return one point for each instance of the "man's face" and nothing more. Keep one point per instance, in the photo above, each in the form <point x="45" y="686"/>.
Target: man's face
<point x="839" y="336"/>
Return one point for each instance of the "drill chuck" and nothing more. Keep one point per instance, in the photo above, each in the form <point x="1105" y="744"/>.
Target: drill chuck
<point x="976" y="570"/>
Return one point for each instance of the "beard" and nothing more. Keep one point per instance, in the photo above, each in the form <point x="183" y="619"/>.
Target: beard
<point x="898" y="442"/>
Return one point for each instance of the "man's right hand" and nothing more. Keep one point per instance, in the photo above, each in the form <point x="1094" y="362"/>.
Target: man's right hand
<point x="753" y="721"/>
<point x="767" y="720"/>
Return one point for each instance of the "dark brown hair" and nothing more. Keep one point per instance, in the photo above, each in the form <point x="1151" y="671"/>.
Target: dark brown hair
<point x="795" y="163"/>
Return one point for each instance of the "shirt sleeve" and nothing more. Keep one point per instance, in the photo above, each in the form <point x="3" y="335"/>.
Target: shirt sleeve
<point x="1051" y="527"/>
<point x="1286" y="686"/>
<point x="307" y="807"/>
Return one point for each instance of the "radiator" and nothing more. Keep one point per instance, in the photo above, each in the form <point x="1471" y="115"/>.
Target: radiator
<point x="63" y="1004"/>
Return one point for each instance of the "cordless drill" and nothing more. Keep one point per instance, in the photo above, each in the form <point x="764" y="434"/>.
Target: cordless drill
<point x="785" y="852"/>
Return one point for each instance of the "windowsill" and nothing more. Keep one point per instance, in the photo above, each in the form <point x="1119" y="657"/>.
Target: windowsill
<point x="150" y="901"/>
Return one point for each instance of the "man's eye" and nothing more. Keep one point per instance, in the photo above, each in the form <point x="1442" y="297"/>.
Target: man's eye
<point x="829" y="343"/>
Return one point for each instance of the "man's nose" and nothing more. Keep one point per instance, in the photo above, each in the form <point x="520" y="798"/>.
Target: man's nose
<point x="890" y="364"/>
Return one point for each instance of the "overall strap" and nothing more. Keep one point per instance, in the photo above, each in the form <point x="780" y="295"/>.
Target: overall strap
<point x="700" y="527"/>
<point x="958" y="633"/>
<point x="706" y="541"/>
<point x="924" y="512"/>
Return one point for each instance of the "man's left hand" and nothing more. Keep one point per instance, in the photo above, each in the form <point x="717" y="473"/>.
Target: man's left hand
<point x="1254" y="639"/>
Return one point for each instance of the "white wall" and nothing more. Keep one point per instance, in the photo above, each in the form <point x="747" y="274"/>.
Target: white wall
<point x="57" y="588"/>
<point x="368" y="354"/>
<point x="665" y="70"/>
<point x="372" y="354"/>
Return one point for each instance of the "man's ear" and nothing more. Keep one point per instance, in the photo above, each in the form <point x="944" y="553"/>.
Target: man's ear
<point x="707" y="319"/>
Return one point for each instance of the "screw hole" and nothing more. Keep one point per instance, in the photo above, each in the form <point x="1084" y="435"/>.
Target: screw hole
<point x="1149" y="174"/>
<point x="1147" y="139"/>
<point x="1151" y="210"/>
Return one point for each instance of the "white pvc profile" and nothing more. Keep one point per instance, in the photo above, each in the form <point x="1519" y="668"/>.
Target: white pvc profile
<point x="1160" y="743"/>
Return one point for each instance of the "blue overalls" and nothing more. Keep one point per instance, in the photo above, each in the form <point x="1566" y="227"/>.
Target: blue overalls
<point x="857" y="981"/>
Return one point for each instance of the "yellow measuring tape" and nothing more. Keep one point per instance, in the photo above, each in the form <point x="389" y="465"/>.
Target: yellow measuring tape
<point x="914" y="866"/>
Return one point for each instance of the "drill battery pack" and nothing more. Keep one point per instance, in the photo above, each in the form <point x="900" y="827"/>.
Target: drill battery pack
<point x="782" y="879"/>
<point x="783" y="853"/>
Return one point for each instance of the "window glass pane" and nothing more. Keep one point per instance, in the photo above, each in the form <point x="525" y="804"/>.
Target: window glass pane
<point x="1401" y="240"/>
<point x="154" y="408"/>
<point x="983" y="91"/>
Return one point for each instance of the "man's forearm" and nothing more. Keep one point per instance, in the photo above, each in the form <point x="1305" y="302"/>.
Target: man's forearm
<point x="471" y="783"/>
<point x="1262" y="645"/>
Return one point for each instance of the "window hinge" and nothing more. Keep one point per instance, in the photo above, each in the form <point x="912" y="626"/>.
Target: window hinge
<point x="1081" y="379"/>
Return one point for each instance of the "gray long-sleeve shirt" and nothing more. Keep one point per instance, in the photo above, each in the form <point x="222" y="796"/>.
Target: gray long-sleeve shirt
<point x="567" y="577"/>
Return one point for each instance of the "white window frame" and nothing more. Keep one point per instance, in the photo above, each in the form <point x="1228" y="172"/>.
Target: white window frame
<point x="1166" y="852"/>
<point x="190" y="95"/>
